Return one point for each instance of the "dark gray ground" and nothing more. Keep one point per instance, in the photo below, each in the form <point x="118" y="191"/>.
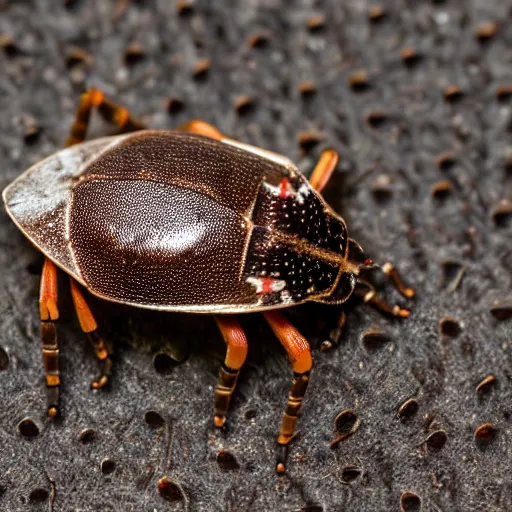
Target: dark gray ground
<point x="452" y="244"/>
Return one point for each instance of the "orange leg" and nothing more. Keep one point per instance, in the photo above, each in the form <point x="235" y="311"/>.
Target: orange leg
<point x="324" y="169"/>
<point x="112" y="113"/>
<point x="49" y="314"/>
<point x="370" y="297"/>
<point x="299" y="354"/>
<point x="202" y="128"/>
<point x="397" y="281"/>
<point x="90" y="327"/>
<point x="236" y="353"/>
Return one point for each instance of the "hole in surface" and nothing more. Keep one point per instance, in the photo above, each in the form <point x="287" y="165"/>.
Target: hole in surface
<point x="446" y="160"/>
<point x="502" y="310"/>
<point x="359" y="81"/>
<point x="449" y="327"/>
<point x="376" y="119"/>
<point x="87" y="435"/>
<point x="346" y="423"/>
<point x="31" y="133"/>
<point x="376" y="13"/>
<point x="504" y="93"/>
<point x="410" y="57"/>
<point x="76" y="57"/>
<point x="375" y="339"/>
<point x="307" y="89"/>
<point x="350" y="473"/>
<point x="201" y="69"/>
<point x="134" y="54"/>
<point x="442" y="190"/>
<point x="154" y="418"/>
<point x="27" y="428"/>
<point x="258" y="40"/>
<point x="316" y="23"/>
<point x="169" y="490"/>
<point x="108" y="466"/>
<point x="308" y="140"/>
<point x="9" y="46"/>
<point x="485" y="31"/>
<point x="164" y="363"/>
<point x="437" y="439"/>
<point x="251" y="414"/>
<point x="502" y="214"/>
<point x="4" y="360"/>
<point x="453" y="93"/>
<point x="175" y="106"/>
<point x="227" y="461"/>
<point x="244" y="105"/>
<point x="381" y="188"/>
<point x="312" y="508"/>
<point x="410" y="502"/>
<point x="484" y="434"/>
<point x="38" y="495"/>
<point x="185" y="7"/>
<point x="408" y="409"/>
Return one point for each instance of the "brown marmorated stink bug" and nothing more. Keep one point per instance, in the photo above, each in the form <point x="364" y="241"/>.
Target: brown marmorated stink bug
<point x="192" y="221"/>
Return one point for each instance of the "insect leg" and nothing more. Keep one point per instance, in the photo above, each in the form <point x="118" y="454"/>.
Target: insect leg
<point x="394" y="277"/>
<point x="112" y="113"/>
<point x="236" y="353"/>
<point x="299" y="354"/>
<point x="324" y="169"/>
<point x="335" y="334"/>
<point x="90" y="327"/>
<point x="370" y="297"/>
<point x="202" y="128"/>
<point x="49" y="314"/>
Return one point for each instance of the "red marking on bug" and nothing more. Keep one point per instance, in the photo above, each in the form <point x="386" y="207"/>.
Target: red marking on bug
<point x="367" y="261"/>
<point x="284" y="188"/>
<point x="266" y="285"/>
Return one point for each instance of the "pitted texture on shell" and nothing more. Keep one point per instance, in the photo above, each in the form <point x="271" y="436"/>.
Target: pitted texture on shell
<point x="175" y="220"/>
<point x="179" y="221"/>
<point x="157" y="244"/>
<point x="294" y="209"/>
<point x="304" y="274"/>
<point x="225" y="173"/>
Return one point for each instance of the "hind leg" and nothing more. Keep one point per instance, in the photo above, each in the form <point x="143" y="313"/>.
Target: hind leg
<point x="90" y="328"/>
<point x="49" y="315"/>
<point x="109" y="111"/>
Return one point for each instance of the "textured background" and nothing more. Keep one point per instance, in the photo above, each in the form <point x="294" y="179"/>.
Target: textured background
<point x="427" y="161"/>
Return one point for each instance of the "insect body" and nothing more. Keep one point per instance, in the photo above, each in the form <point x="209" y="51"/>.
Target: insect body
<point x="186" y="221"/>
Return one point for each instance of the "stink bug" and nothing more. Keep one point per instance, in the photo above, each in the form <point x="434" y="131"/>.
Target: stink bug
<point x="192" y="221"/>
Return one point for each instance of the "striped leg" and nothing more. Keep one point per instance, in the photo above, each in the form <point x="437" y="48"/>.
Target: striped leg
<point x="299" y="353"/>
<point x="49" y="314"/>
<point x="236" y="353"/>
<point x="112" y="113"/>
<point x="324" y="169"/>
<point x="369" y="295"/>
<point x="90" y="327"/>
